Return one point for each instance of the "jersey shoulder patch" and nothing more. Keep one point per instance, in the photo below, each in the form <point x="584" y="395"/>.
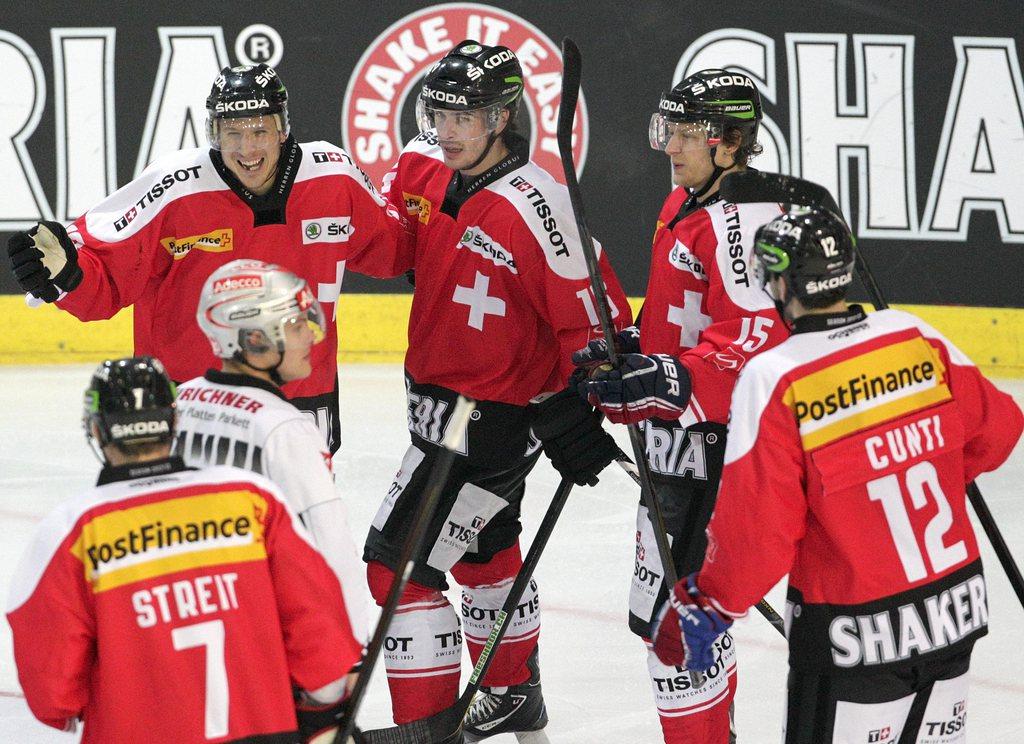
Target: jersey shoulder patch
<point x="543" y="206"/>
<point x="136" y="204"/>
<point x="324" y="158"/>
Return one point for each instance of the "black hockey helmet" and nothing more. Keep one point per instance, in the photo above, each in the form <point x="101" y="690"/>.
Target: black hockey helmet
<point x="719" y="99"/>
<point x="812" y="249"/>
<point x="472" y="76"/>
<point x="130" y="401"/>
<point x="246" y="91"/>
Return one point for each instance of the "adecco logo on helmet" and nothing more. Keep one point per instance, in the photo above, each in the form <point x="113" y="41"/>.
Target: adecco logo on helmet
<point x="242" y="281"/>
<point x="391" y="68"/>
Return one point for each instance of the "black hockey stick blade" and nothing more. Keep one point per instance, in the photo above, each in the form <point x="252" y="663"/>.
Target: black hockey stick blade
<point x="446" y="725"/>
<point x="760" y="186"/>
<point x="572" y="74"/>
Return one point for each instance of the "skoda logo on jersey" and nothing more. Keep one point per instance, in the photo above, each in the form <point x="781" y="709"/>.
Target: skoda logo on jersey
<point x="387" y="76"/>
<point x="327" y="230"/>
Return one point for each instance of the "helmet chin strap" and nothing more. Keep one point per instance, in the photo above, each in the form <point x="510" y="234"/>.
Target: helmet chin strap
<point x="491" y="139"/>
<point x="275" y="376"/>
<point x="716" y="172"/>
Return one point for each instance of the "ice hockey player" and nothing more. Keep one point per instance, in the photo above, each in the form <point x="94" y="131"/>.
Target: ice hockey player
<point x="501" y="300"/>
<point x="850" y="446"/>
<point x="263" y="324"/>
<point x="254" y="193"/>
<point x="175" y="605"/>
<point x="703" y="318"/>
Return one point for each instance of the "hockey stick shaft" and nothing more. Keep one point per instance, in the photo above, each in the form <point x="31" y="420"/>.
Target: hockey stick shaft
<point x="776" y="187"/>
<point x="406" y="561"/>
<point x="572" y="73"/>
<point x="447" y="724"/>
<point x="767" y="611"/>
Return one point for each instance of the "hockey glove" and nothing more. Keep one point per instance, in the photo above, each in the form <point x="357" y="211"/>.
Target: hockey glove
<point x="570" y="431"/>
<point x="642" y="387"/>
<point x="595" y="353"/>
<point x="686" y="627"/>
<point x="44" y="261"/>
<point x="319" y="722"/>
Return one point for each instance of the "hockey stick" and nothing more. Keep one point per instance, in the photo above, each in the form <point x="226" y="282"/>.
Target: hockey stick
<point x="755" y="186"/>
<point x="767" y="611"/>
<point x="446" y="726"/>
<point x="412" y="545"/>
<point x="572" y="74"/>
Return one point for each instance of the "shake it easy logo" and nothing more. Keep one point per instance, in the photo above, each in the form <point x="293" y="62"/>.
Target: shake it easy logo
<point x="389" y="73"/>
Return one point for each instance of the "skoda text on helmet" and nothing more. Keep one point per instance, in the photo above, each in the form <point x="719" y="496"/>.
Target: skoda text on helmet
<point x="246" y="306"/>
<point x="472" y="77"/>
<point x="716" y="101"/>
<point x="246" y="91"/>
<point x="129" y="402"/>
<point x="812" y="250"/>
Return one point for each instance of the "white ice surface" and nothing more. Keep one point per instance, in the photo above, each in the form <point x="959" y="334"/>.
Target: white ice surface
<point x="594" y="670"/>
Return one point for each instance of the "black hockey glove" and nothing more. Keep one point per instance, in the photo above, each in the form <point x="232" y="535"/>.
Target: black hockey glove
<point x="643" y="387"/>
<point x="44" y="261"/>
<point x="319" y="722"/>
<point x="573" y="439"/>
<point x="595" y="353"/>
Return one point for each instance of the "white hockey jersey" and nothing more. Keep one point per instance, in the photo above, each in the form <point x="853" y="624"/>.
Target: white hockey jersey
<point x="233" y="419"/>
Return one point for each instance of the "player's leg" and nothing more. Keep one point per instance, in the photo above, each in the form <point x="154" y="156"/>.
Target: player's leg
<point x="510" y="698"/>
<point x="687" y="712"/>
<point x="926" y="702"/>
<point x="423" y="647"/>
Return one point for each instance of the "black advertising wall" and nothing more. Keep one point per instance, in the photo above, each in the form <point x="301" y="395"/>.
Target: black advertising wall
<point x="912" y="113"/>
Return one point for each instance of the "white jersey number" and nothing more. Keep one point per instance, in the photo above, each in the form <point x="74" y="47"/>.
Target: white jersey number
<point x="941" y="556"/>
<point x="211" y="636"/>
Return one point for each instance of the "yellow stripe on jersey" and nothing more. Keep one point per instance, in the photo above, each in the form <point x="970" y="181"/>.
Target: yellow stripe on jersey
<point x="162" y="537"/>
<point x="865" y="390"/>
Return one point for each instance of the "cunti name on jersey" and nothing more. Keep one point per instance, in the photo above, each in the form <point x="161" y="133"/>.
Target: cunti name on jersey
<point x="865" y="390"/>
<point x="145" y="541"/>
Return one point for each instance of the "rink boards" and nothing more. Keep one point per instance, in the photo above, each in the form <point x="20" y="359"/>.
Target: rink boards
<point x="372" y="328"/>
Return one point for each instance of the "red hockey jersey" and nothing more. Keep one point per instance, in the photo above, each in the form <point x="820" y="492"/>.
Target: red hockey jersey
<point x="153" y="243"/>
<point x="848" y="453"/>
<point x="176" y="607"/>
<point x="703" y="305"/>
<point x="502" y="297"/>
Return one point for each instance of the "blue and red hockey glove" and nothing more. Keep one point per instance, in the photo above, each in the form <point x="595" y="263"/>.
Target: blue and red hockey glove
<point x="686" y="627"/>
<point x="642" y="387"/>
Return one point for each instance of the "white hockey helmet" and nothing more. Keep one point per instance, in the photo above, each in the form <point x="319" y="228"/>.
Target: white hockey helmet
<point x="247" y="305"/>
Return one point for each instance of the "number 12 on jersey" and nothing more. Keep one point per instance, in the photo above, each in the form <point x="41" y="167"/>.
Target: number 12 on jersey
<point x="919" y="480"/>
